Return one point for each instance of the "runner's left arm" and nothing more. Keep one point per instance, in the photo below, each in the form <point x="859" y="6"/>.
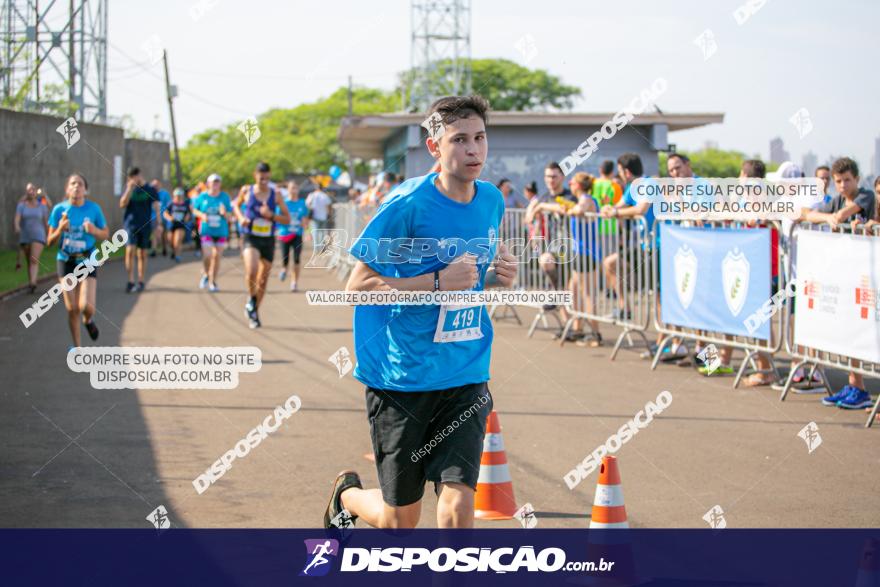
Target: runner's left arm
<point x="283" y="216"/>
<point x="100" y="234"/>
<point x="99" y="228"/>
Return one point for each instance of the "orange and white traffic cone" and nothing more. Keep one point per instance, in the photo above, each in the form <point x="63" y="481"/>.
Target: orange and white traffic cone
<point x="608" y="508"/>
<point x="610" y="513"/>
<point x="869" y="565"/>
<point x="494" y="498"/>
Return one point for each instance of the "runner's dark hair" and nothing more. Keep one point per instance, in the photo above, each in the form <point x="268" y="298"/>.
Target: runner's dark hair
<point x="754" y="168"/>
<point x="79" y="175"/>
<point x="845" y="164"/>
<point x="452" y="108"/>
<point x="631" y="162"/>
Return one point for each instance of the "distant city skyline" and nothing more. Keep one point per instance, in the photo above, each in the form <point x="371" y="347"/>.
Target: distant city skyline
<point x="778" y="154"/>
<point x="876" y="167"/>
<point x="809" y="163"/>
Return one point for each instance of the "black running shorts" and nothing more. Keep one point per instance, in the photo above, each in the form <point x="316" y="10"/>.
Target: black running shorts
<point x="264" y="244"/>
<point x="427" y="436"/>
<point x="63" y="268"/>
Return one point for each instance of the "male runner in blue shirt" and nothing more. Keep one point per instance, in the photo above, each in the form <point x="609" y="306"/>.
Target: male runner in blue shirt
<point x="426" y="367"/>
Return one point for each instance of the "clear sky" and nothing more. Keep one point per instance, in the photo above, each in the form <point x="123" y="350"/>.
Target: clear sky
<point x="241" y="58"/>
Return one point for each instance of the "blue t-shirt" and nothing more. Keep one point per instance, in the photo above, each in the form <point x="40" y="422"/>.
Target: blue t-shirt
<point x="215" y="225"/>
<point x="75" y="241"/>
<point x="298" y="210"/>
<point x="632" y="200"/>
<point x="140" y="208"/>
<point x="588" y="242"/>
<point x="164" y="202"/>
<point x="395" y="345"/>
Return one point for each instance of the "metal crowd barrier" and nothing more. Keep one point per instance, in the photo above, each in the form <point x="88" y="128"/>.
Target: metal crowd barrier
<point x="567" y="253"/>
<point x="814" y="358"/>
<point x="351" y="219"/>
<point x="750" y="345"/>
<point x="599" y="244"/>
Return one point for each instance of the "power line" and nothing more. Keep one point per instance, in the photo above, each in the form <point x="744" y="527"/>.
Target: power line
<point x="280" y="77"/>
<point x="188" y="94"/>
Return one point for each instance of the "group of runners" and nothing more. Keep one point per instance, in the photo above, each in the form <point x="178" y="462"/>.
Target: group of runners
<point x="264" y="215"/>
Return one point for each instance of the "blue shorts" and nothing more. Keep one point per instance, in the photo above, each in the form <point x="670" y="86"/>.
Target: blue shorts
<point x="139" y="237"/>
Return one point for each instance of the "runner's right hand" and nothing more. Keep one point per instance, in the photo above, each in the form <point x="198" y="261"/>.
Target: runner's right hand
<point x="65" y="223"/>
<point x="460" y="275"/>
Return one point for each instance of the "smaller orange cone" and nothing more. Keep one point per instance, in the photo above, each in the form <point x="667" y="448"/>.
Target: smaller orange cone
<point x="608" y="508"/>
<point x="869" y="565"/>
<point x="494" y="499"/>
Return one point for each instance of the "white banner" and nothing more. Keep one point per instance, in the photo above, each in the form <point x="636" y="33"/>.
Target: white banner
<point x="837" y="303"/>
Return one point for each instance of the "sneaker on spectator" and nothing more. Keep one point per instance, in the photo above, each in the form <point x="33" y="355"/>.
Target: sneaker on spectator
<point x="649" y="352"/>
<point x="832" y="400"/>
<point x="668" y="354"/>
<point x="203" y="282"/>
<point x="803" y="387"/>
<point x="856" y="400"/>
<point x="674" y="353"/>
<point x="688" y="361"/>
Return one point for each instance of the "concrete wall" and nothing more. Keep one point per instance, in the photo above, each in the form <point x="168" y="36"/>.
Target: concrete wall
<point x="154" y="159"/>
<point x="32" y="151"/>
<point x="520" y="153"/>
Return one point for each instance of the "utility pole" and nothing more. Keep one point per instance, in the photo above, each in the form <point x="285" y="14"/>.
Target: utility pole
<point x="171" y="95"/>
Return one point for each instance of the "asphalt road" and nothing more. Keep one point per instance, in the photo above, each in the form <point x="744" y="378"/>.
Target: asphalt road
<point x="74" y="456"/>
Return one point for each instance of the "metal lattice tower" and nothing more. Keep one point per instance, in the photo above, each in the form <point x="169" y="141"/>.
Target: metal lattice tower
<point x="440" y="51"/>
<point x="54" y="52"/>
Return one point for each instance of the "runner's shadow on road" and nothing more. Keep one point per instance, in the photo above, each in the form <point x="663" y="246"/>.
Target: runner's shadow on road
<point x="560" y="515"/>
<point x="191" y="290"/>
<point x="307" y="329"/>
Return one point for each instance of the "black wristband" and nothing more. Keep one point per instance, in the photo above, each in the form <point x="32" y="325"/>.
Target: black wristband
<point x="436" y="281"/>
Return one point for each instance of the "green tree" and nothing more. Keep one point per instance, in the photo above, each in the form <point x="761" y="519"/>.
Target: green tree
<point x="303" y="139"/>
<point x="715" y="162"/>
<point x="295" y="140"/>
<point x="507" y="85"/>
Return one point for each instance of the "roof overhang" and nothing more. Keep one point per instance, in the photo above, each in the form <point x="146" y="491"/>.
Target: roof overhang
<point x="364" y="136"/>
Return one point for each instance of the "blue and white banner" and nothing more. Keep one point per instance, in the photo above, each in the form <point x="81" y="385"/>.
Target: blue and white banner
<point x="714" y="278"/>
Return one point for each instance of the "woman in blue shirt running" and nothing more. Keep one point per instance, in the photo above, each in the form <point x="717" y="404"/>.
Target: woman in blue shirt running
<point x="79" y="224"/>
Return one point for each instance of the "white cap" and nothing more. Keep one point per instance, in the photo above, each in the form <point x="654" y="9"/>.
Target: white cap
<point x="787" y="170"/>
<point x="213" y="177"/>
